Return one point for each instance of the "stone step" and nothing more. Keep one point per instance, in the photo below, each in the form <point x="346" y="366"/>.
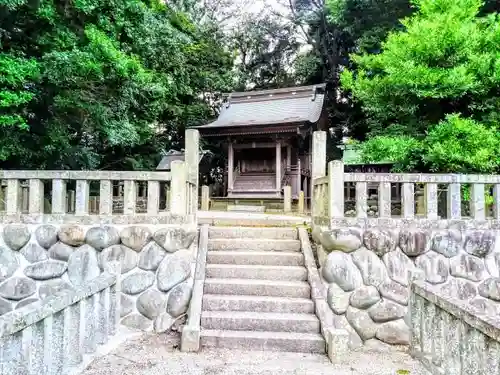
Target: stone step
<point x="271" y="288"/>
<point x="234" y="271"/>
<point x="264" y="341"/>
<point x="253" y="233"/>
<point x="269" y="258"/>
<point x="217" y="302"/>
<point x="252" y="321"/>
<point x="249" y="244"/>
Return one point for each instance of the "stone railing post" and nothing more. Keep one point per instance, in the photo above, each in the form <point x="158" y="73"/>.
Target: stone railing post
<point x="318" y="164"/>
<point x="205" y="198"/>
<point x="13" y="196"/>
<point x="192" y="159"/>
<point x="178" y="187"/>
<point x="36" y="196"/>
<point x="301" y="203"/>
<point x="82" y="197"/>
<point x="335" y="189"/>
<point x="287" y="199"/>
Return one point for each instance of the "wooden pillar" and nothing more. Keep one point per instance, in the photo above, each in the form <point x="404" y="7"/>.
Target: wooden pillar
<point x="230" y="159"/>
<point x="288" y="156"/>
<point x="298" y="181"/>
<point x="278" y="165"/>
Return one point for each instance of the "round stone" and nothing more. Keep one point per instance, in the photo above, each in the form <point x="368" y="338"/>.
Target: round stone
<point x="83" y="265"/>
<point x="380" y="241"/>
<point x="364" y="297"/>
<point x="138" y="322"/>
<point x="468" y="267"/>
<point x="163" y="323"/>
<point x="61" y="251"/>
<point x="5" y="306"/>
<point x="395" y="292"/>
<point x="16" y="236"/>
<point x="51" y="287"/>
<point x="413" y="242"/>
<point x="337" y="299"/>
<point x="152" y="303"/>
<point x="372" y="268"/>
<point x="398" y="266"/>
<point x="316" y="234"/>
<point x="446" y="243"/>
<point x="386" y="310"/>
<point x="137" y="282"/>
<point x="342" y="239"/>
<point x="8" y="263"/>
<point x="26" y="302"/>
<point x="436" y="267"/>
<point x="46" y="236"/>
<point x="178" y="299"/>
<point x="33" y="253"/>
<point x="361" y="322"/>
<point x="490" y="288"/>
<point x="151" y="256"/>
<point x="483" y="306"/>
<point x="127" y="305"/>
<point x="395" y="332"/>
<point x="459" y="288"/>
<point x="492" y="262"/>
<point x="119" y="253"/>
<point x="17" y="288"/>
<point x="73" y="235"/>
<point x="479" y="243"/>
<point x="48" y="269"/>
<point x="173" y="270"/>
<point x="102" y="237"/>
<point x="340" y="269"/>
<point x="135" y="237"/>
<point x="173" y="239"/>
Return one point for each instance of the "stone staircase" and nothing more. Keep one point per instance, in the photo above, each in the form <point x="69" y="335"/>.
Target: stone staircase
<point x="256" y="294"/>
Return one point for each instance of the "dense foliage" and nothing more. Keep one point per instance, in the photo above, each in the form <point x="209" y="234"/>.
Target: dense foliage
<point x="102" y="83"/>
<point x="432" y="96"/>
<point x="110" y="84"/>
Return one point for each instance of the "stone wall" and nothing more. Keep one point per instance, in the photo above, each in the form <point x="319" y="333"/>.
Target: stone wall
<point x="368" y="274"/>
<point x="157" y="262"/>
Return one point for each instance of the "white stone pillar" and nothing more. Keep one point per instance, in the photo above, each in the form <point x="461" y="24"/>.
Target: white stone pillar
<point x="178" y="188"/>
<point x="192" y="158"/>
<point x="318" y="163"/>
<point x="205" y="198"/>
<point x="230" y="167"/>
<point x="287" y="201"/>
<point x="278" y="165"/>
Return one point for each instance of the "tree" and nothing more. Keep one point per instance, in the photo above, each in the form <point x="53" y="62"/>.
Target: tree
<point x="444" y="62"/>
<point x="103" y="83"/>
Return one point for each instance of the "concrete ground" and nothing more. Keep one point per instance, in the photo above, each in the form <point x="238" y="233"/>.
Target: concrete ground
<point x="158" y="355"/>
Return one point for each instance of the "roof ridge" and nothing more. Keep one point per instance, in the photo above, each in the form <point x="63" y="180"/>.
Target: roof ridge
<point x="284" y="90"/>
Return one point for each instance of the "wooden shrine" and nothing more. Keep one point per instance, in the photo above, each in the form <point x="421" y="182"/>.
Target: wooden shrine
<point x="268" y="140"/>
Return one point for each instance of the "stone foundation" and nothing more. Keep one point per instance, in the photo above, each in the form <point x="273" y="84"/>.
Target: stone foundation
<point x="368" y="274"/>
<point x="157" y="261"/>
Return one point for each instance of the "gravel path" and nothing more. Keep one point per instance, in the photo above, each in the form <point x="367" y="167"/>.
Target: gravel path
<point x="157" y="355"/>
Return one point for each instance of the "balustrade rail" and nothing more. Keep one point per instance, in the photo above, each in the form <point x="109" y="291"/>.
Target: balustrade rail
<point x="97" y="193"/>
<point x="53" y="335"/>
<point x="449" y="336"/>
<point x="426" y="196"/>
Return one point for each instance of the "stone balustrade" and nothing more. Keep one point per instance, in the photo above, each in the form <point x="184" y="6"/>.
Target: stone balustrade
<point x="430" y="197"/>
<point x="27" y="188"/>
<point x="454" y="337"/>
<point x="52" y="336"/>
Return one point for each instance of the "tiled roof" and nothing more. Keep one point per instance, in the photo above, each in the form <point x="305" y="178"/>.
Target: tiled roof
<point x="267" y="107"/>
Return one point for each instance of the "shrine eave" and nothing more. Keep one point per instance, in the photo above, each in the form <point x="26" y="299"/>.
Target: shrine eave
<point x="218" y="131"/>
